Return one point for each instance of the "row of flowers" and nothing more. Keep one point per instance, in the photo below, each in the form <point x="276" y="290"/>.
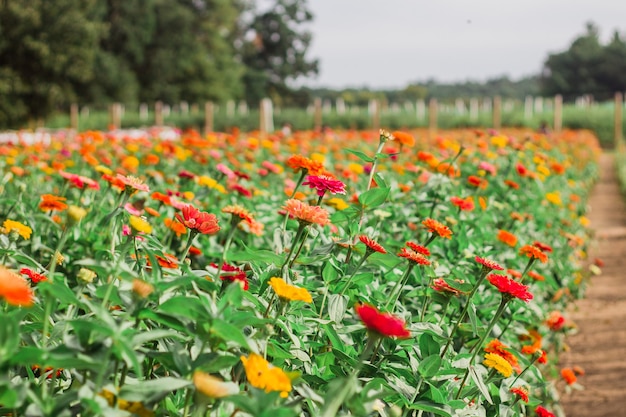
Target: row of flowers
<point x="361" y="273"/>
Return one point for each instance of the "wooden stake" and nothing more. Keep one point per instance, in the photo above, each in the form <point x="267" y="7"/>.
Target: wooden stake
<point x="432" y="116"/>
<point x="209" y="109"/>
<point x="497" y="112"/>
<point x="558" y="113"/>
<point x="158" y="113"/>
<point x="74" y="117"/>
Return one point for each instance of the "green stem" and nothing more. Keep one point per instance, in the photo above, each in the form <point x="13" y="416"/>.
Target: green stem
<point x="400" y="283"/>
<point x="296" y="239"/>
<point x="427" y="301"/>
<point x="229" y="238"/>
<point x="465" y="309"/>
<point x="535" y="358"/>
<point x="303" y="174"/>
<point x="356" y="269"/>
<point x="192" y="235"/>
<point x="302" y="241"/>
<point x="478" y="345"/>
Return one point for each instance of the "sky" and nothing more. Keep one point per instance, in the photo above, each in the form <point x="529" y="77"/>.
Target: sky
<point x="391" y="43"/>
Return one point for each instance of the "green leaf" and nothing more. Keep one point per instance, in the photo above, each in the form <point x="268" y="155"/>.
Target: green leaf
<point x="250" y="255"/>
<point x="329" y="273"/>
<point x="429" y="366"/>
<point x="182" y="306"/>
<point x="57" y="289"/>
<point x="362" y="156"/>
<point x="229" y="333"/>
<point x="437" y="409"/>
<point x="374" y="197"/>
<point x="338" y="391"/>
<point x="337" y="306"/>
<point x="480" y="384"/>
<point x="380" y="180"/>
<point x="152" y="390"/>
<point x="141" y="338"/>
<point x="428" y="345"/>
<point x="9" y="337"/>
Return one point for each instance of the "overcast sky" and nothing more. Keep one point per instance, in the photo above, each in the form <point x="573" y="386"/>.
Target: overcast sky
<point x="389" y="43"/>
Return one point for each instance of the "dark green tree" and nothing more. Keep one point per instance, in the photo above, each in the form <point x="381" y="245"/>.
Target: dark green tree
<point x="191" y="55"/>
<point x="46" y="47"/>
<point x="576" y="71"/>
<point x="275" y="53"/>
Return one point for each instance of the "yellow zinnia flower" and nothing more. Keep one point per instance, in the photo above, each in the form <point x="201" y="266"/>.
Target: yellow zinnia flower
<point x="140" y="225"/>
<point x="76" y="213"/>
<point x="19" y="228"/>
<point x="337" y="203"/>
<point x="554" y="198"/>
<point x="289" y="292"/>
<point x="261" y="374"/>
<point x="497" y="362"/>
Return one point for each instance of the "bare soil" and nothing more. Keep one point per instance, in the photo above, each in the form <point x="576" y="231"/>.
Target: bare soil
<point x="599" y="346"/>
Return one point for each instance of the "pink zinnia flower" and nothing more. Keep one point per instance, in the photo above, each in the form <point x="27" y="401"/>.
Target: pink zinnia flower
<point x="230" y="174"/>
<point x="489" y="264"/>
<point x="323" y="183"/>
<point x="132" y="183"/>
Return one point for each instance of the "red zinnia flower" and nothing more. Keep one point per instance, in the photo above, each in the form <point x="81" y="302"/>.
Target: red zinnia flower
<point x="512" y="184"/>
<point x="198" y="221"/>
<point x="544" y="247"/>
<point x="372" y="245"/>
<point x="241" y="190"/>
<point x="509" y="287"/>
<point x="233" y="274"/>
<point x="418" y="248"/>
<point x="383" y="324"/>
<point x="533" y="252"/>
<point x="35" y="277"/>
<point x="521" y="392"/>
<point x="464" y="204"/>
<point x="434" y="226"/>
<point x="323" y="183"/>
<point x="489" y="264"/>
<point x="542" y="412"/>
<point x="555" y="321"/>
<point x="413" y="256"/>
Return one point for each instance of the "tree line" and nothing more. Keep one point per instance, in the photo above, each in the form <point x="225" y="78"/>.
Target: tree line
<point x="96" y="52"/>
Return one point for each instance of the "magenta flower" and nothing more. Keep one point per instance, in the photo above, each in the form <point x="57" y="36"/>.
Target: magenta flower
<point x="323" y="183"/>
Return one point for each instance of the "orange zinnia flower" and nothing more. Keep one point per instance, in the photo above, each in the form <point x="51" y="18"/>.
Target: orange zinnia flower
<point x="372" y="245"/>
<point x="238" y="211"/>
<point x="198" y="221"/>
<point x="434" y="226"/>
<point x="406" y="139"/>
<point x="52" y="202"/>
<point x="299" y="162"/>
<point x="507" y="238"/>
<point x="521" y="392"/>
<point x="14" y="289"/>
<point x="499" y="348"/>
<point x="176" y="226"/>
<point x="306" y="213"/>
<point x="413" y="256"/>
<point x="533" y="252"/>
<point x="568" y="375"/>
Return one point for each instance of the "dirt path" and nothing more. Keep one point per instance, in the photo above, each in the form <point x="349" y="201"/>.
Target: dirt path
<point x="599" y="347"/>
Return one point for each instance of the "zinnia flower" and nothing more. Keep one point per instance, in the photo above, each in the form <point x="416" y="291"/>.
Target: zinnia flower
<point x="233" y="274"/>
<point x="17" y="227"/>
<point x="132" y="184"/>
<point x="509" y="287"/>
<point x="464" y="204"/>
<point x="299" y="162"/>
<point x="533" y="252"/>
<point x="500" y="349"/>
<point x="198" y="221"/>
<point x="440" y="285"/>
<point x="306" y="213"/>
<point x="35" y="277"/>
<point x="422" y="250"/>
<point x="406" y="139"/>
<point x="383" y="324"/>
<point x="14" y="289"/>
<point x="52" y="202"/>
<point x="139" y="224"/>
<point x="372" y="245"/>
<point x="507" y="238"/>
<point x="542" y="412"/>
<point x="500" y="364"/>
<point x="142" y="288"/>
<point x="261" y="374"/>
<point x="413" y="256"/>
<point x="434" y="226"/>
<point x="568" y="375"/>
<point x="323" y="183"/>
<point x="555" y="321"/>
<point x="289" y="292"/>
<point x="488" y="264"/>
<point x="238" y="211"/>
<point x="521" y="393"/>
<point x="213" y="387"/>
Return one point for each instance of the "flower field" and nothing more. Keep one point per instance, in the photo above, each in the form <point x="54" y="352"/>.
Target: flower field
<point x="343" y="273"/>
